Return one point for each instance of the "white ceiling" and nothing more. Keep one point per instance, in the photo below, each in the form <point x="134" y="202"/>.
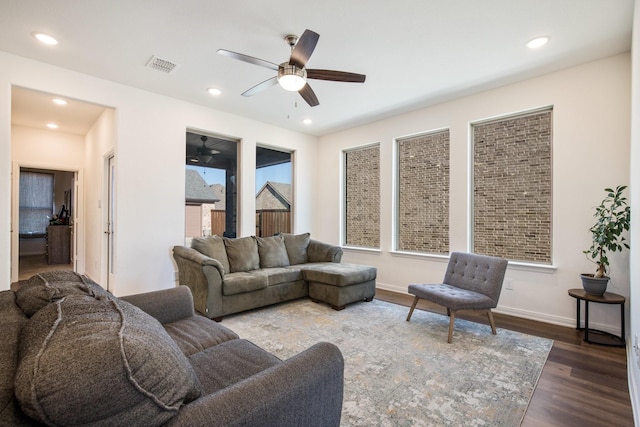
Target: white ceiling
<point x="415" y="53"/>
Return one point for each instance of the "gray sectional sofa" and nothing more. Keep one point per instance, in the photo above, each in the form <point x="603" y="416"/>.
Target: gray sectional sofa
<point x="73" y="354"/>
<point x="228" y="276"/>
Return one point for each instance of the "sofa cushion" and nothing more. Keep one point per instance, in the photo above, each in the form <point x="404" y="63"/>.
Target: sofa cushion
<point x="272" y="251"/>
<point x="242" y="282"/>
<point x="229" y="363"/>
<point x="100" y="361"/>
<point x="46" y="287"/>
<point x="297" y="246"/>
<point x="13" y="320"/>
<point x="337" y="274"/>
<point x="242" y="254"/>
<point x="278" y="276"/>
<point x="198" y="333"/>
<point x="213" y="247"/>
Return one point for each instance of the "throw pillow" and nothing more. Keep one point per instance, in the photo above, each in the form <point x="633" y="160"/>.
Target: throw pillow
<point x="100" y="361"/>
<point x="297" y="247"/>
<point x="213" y="247"/>
<point x="272" y="252"/>
<point x="44" y="288"/>
<point x="242" y="254"/>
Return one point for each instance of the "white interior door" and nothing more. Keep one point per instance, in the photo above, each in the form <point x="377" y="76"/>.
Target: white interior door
<point x="110" y="226"/>
<point x="15" y="192"/>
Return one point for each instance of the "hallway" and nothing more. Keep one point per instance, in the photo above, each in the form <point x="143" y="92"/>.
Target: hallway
<point x="33" y="264"/>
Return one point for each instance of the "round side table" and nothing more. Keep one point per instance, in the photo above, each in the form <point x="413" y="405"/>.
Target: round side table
<point x="601" y="337"/>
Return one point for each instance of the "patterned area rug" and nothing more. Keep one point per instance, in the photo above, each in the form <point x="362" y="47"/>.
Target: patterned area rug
<point x="400" y="373"/>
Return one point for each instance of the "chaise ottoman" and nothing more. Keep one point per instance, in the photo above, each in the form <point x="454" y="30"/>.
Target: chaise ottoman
<point x="340" y="284"/>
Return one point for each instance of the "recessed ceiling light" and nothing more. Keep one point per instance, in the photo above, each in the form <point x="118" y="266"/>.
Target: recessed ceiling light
<point x="214" y="91"/>
<point x="52" y="126"/>
<point x="537" y="42"/>
<point x="307" y="121"/>
<point x="59" y="101"/>
<point x="45" y="38"/>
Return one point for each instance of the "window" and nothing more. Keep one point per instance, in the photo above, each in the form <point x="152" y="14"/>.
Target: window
<point x="423" y="193"/>
<point x="274" y="192"/>
<point x="362" y="197"/>
<point x="210" y="186"/>
<point x="512" y="187"/>
<point x="36" y="202"/>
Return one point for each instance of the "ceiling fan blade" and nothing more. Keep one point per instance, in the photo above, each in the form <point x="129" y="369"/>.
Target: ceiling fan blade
<point x="249" y="59"/>
<point x="336" y="76"/>
<point x="309" y="95"/>
<point x="261" y="86"/>
<point x="304" y="48"/>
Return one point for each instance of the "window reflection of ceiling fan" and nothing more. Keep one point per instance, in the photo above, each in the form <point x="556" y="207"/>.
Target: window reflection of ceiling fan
<point x="203" y="155"/>
<point x="292" y="75"/>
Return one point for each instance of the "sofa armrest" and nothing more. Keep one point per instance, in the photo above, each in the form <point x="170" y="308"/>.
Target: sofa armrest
<point x="305" y="390"/>
<point x="197" y="257"/>
<point x="204" y="276"/>
<point x="167" y="305"/>
<point x="323" y="252"/>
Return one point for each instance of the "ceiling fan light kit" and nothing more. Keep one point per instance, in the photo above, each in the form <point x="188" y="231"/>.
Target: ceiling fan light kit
<point x="291" y="78"/>
<point x="292" y="75"/>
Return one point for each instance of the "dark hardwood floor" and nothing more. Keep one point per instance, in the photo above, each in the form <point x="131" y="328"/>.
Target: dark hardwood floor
<point x="581" y="384"/>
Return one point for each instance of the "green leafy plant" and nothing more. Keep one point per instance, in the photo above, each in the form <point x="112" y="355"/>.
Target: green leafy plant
<point x="613" y="217"/>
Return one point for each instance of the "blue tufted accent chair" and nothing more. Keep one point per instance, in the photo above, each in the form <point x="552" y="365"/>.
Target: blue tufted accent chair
<point x="472" y="282"/>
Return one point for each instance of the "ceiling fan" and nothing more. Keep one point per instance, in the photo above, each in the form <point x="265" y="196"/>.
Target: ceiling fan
<point x="204" y="154"/>
<point x="292" y="75"/>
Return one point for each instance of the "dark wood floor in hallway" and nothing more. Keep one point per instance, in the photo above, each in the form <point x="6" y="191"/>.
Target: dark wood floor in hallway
<point x="581" y="384"/>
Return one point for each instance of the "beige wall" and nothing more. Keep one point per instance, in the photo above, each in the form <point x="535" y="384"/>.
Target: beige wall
<point x="590" y="152"/>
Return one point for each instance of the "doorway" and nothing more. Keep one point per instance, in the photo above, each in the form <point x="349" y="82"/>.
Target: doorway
<point x="46" y="212"/>
<point x="80" y="134"/>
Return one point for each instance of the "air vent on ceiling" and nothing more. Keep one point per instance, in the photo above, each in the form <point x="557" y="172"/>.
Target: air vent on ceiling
<point x="161" y="64"/>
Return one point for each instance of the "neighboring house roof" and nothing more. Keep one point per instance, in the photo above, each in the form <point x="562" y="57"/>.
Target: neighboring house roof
<point x="274" y="195"/>
<point x="218" y="190"/>
<point x="197" y="190"/>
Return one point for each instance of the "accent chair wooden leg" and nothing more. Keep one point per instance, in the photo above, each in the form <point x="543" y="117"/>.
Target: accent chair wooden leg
<point x="452" y="318"/>
<point x="413" y="306"/>
<point x="491" y="322"/>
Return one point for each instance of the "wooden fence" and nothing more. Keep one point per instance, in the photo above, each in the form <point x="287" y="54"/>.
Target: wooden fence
<point x="268" y="222"/>
<point x="218" y="222"/>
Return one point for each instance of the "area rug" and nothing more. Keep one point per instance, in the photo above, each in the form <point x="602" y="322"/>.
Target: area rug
<point x="400" y="373"/>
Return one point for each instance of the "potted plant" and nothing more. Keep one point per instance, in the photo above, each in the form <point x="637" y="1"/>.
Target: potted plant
<point x="613" y="217"/>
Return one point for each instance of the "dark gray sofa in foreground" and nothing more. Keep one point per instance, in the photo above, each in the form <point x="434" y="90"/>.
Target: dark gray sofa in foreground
<point x="73" y="354"/>
<point x="228" y="276"/>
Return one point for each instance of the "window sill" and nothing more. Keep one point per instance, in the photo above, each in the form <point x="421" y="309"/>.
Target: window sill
<point x="361" y="249"/>
<point x="420" y="255"/>
<point x="538" y="268"/>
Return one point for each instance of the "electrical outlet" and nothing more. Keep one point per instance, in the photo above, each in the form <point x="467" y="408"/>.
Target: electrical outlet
<point x="508" y="285"/>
